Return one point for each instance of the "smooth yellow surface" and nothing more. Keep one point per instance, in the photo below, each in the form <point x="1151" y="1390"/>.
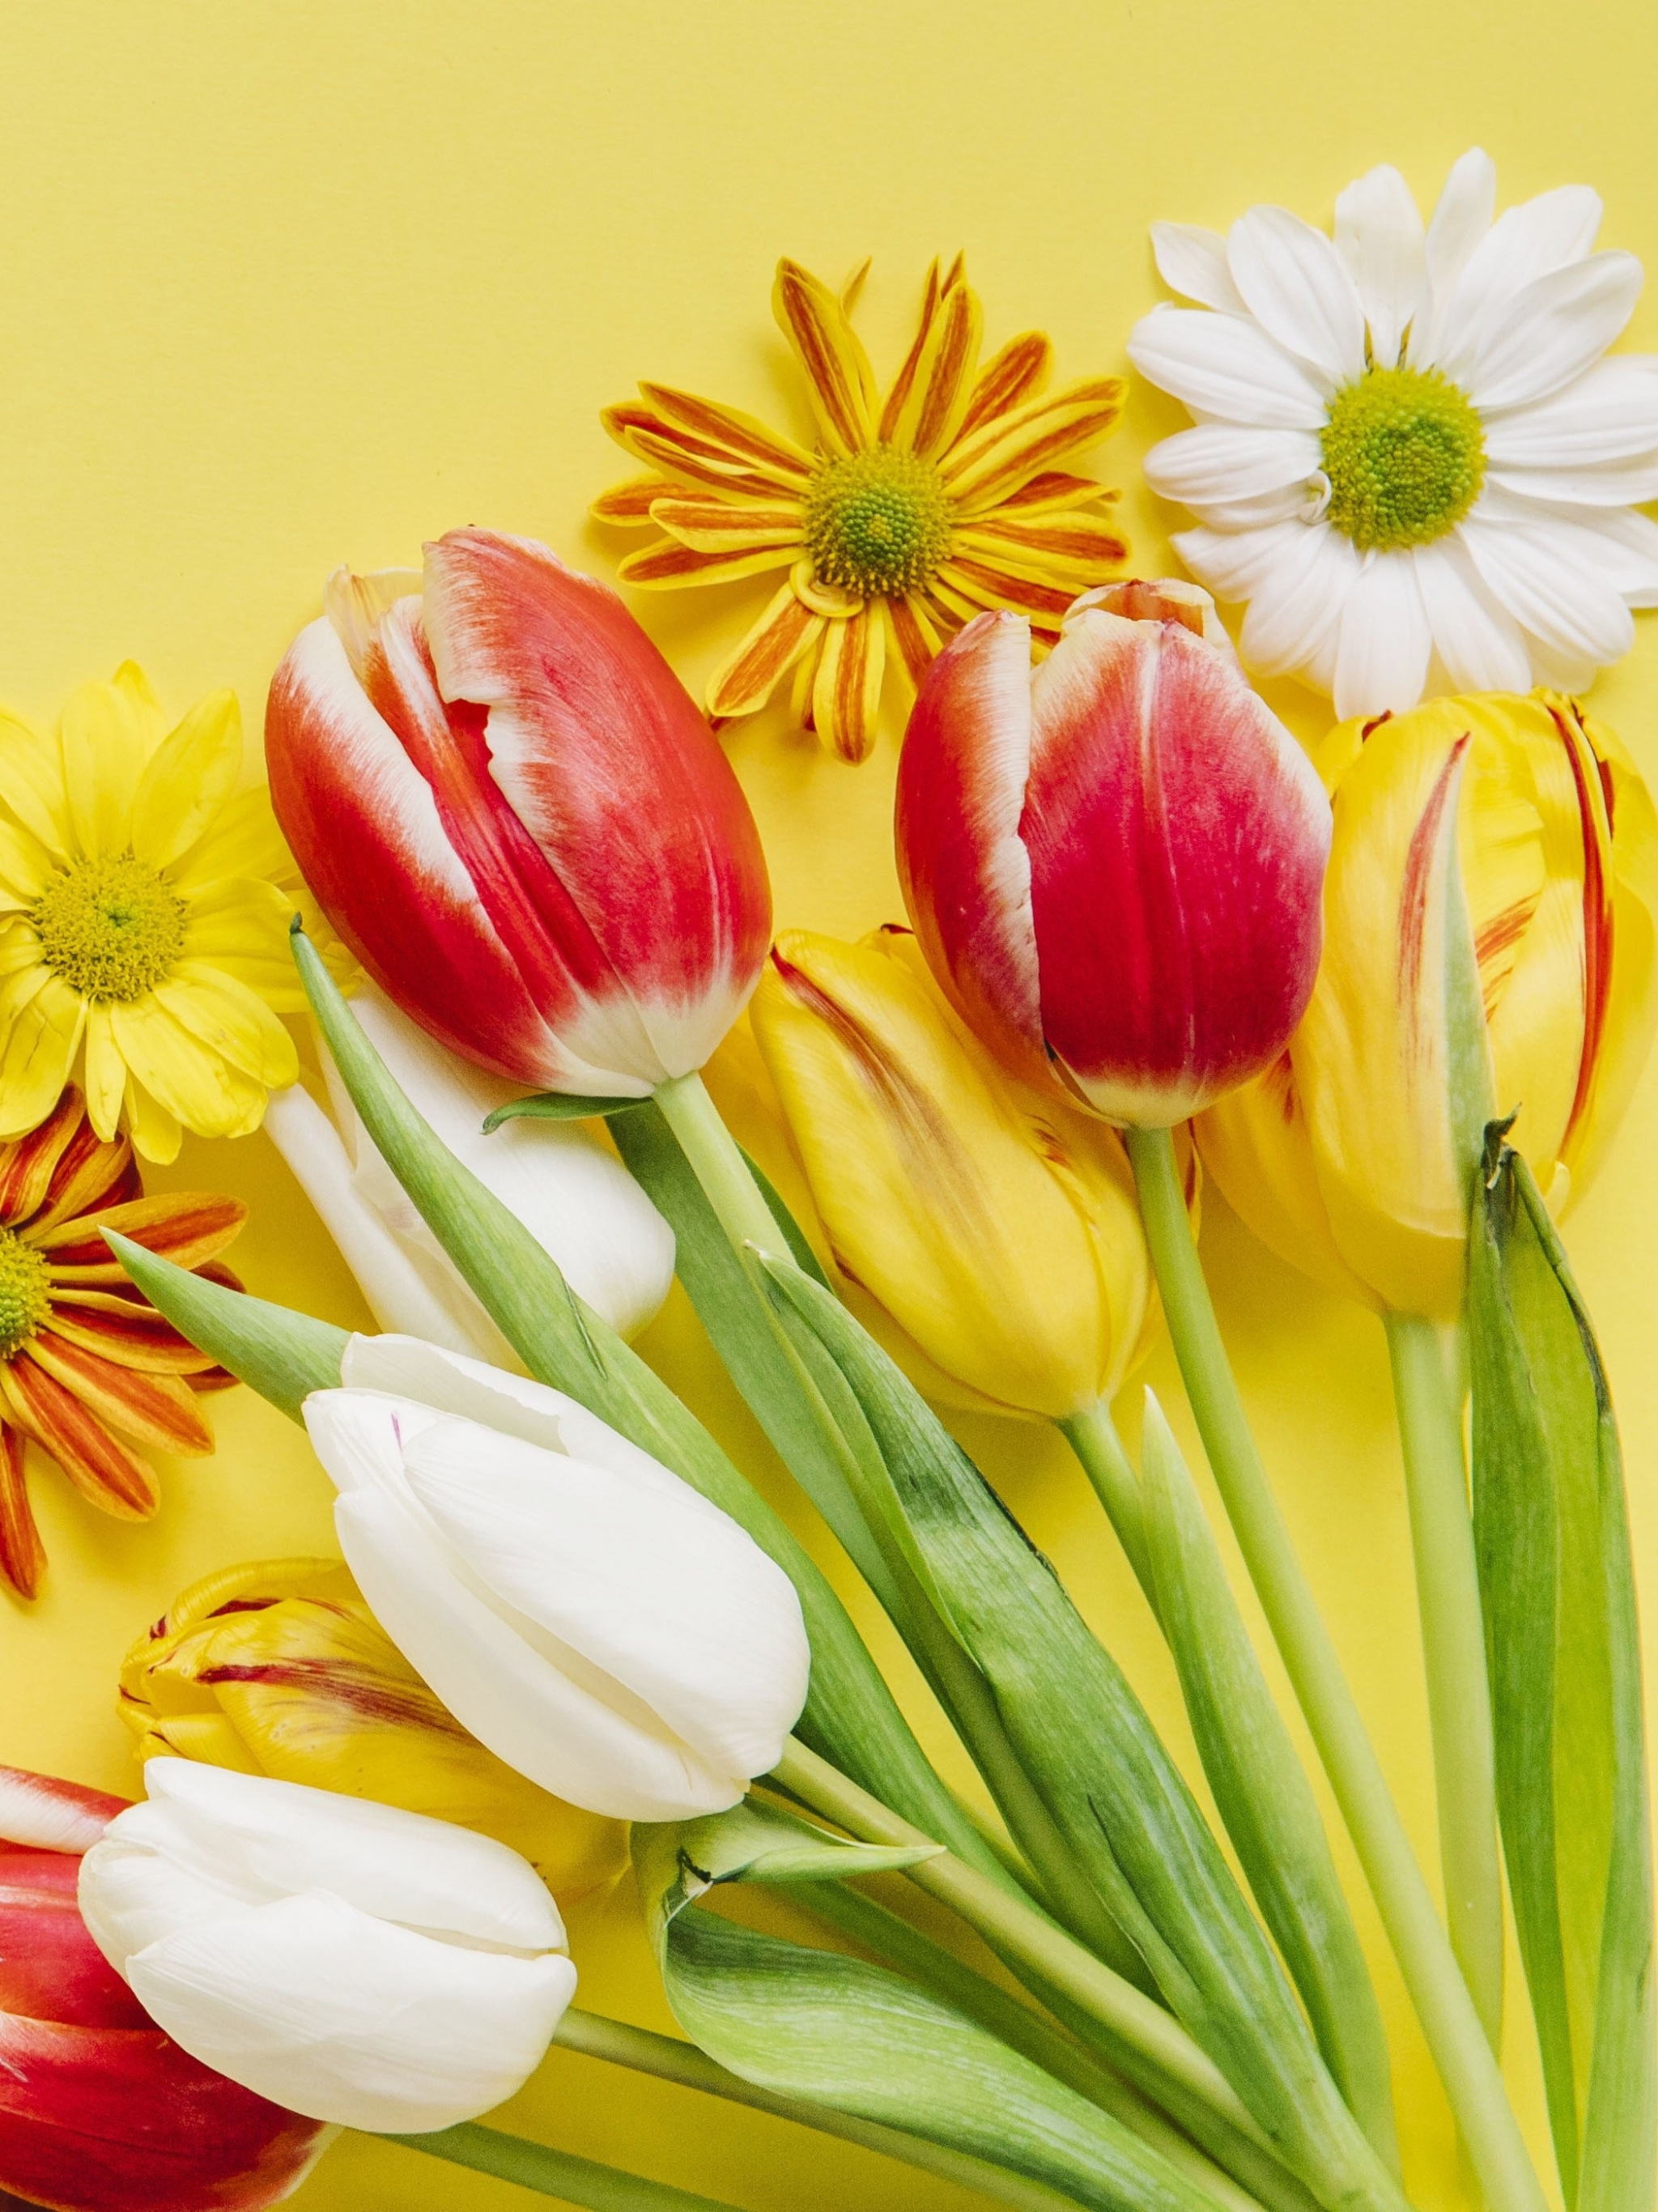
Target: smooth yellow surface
<point x="289" y="285"/>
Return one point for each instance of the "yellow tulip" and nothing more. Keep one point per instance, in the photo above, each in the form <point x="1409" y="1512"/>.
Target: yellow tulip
<point x="994" y="1237"/>
<point x="1345" y="1158"/>
<point x="278" y="1668"/>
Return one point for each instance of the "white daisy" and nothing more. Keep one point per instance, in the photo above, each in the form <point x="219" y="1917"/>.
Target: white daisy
<point x="1410" y="457"/>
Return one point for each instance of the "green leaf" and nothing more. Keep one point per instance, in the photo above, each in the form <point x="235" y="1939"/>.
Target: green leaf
<point x="557" y="1106"/>
<point x="761" y="1843"/>
<point x="1557" y="1589"/>
<point x="1260" y="1788"/>
<point x="793" y="1235"/>
<point x="284" y="1356"/>
<point x="1086" y="1743"/>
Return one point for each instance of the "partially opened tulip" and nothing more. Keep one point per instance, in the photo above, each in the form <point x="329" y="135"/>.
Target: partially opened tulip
<point x="358" y="1964"/>
<point x="575" y="1196"/>
<point x="511" y="811"/>
<point x="1113" y="860"/>
<point x="278" y="1668"/>
<point x="99" y="2110"/>
<point x="595" y="1622"/>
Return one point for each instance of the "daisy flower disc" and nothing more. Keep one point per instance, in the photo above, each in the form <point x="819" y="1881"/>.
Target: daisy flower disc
<point x="1410" y="457"/>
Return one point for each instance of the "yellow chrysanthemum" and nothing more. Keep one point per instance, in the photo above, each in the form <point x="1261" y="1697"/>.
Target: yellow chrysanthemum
<point x="915" y="512"/>
<point x="143" y="929"/>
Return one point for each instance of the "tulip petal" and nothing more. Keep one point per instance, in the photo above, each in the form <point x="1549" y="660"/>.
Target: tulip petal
<point x="313" y="2003"/>
<point x="38" y="1811"/>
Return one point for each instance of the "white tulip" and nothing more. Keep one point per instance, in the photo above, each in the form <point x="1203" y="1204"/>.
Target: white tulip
<point x="591" y="1617"/>
<point x="356" y="1963"/>
<point x="574" y="1196"/>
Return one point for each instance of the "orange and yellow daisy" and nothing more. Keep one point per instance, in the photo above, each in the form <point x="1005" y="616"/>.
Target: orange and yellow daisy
<point x="915" y="511"/>
<point x="88" y="1368"/>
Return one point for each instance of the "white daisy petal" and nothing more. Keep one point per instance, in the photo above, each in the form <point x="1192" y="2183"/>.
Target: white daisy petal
<point x="1554" y="329"/>
<point x="1609" y="415"/>
<point x="1554" y="231"/>
<point x="1616" y="544"/>
<point x="1223" y="366"/>
<point x="1192" y="261"/>
<point x="1379" y="235"/>
<point x="1218" y="462"/>
<point x="1478" y="641"/>
<point x="1299" y="602"/>
<point x="1233" y="563"/>
<point x="1298" y="288"/>
<point x="1382" y="661"/>
<point x="1461" y="219"/>
<point x="1529" y="565"/>
<point x="1299" y="503"/>
<point x="1614" y="483"/>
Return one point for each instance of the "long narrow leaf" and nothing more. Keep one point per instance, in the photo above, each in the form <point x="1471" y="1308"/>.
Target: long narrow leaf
<point x="282" y="1355"/>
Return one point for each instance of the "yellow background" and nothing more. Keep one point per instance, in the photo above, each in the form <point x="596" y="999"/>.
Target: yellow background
<point x="289" y="285"/>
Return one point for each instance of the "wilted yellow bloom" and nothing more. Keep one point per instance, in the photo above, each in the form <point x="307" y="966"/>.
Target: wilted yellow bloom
<point x="278" y="1668"/>
<point x="995" y="1237"/>
<point x="1343" y="1157"/>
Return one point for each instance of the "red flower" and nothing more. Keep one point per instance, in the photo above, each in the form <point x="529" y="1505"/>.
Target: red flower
<point x="100" y="2112"/>
<point x="1113" y="861"/>
<point x="508" y="807"/>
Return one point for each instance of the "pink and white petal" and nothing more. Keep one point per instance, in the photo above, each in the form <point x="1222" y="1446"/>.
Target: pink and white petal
<point x="1382" y="660"/>
<point x="1529" y="565"/>
<point x="1298" y="288"/>
<point x="1225" y="367"/>
<point x="1550" y="232"/>
<point x="1192" y="261"/>
<point x="1217" y="463"/>
<point x="1460" y="219"/>
<point x="1549" y="333"/>
<point x="43" y="1814"/>
<point x="1297" y="605"/>
<point x="1609" y="415"/>
<point x="1380" y="236"/>
<point x="1478" y="643"/>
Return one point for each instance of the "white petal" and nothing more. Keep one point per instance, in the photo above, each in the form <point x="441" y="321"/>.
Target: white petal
<point x="1382" y="660"/>
<point x="1297" y="605"/>
<point x="1302" y="502"/>
<point x="358" y="1435"/>
<point x="681" y="1608"/>
<point x="1554" y="330"/>
<point x="44" y="1814"/>
<point x="1614" y="483"/>
<point x="1460" y="220"/>
<point x="1192" y="261"/>
<point x="1614" y="543"/>
<point x="333" y="2013"/>
<point x="1217" y="463"/>
<point x="1379" y="235"/>
<point x="1298" y="288"/>
<point x="132" y="1894"/>
<point x="1478" y="643"/>
<point x="1547" y="234"/>
<point x="1231" y="563"/>
<point x="1222" y="366"/>
<point x="496" y="1682"/>
<point x="1609" y="415"/>
<point x="1529" y="566"/>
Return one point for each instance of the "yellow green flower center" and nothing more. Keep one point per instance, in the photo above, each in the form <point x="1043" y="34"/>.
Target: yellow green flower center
<point x="110" y="928"/>
<point x="25" y="1292"/>
<point x="878" y="523"/>
<point x="1406" y="457"/>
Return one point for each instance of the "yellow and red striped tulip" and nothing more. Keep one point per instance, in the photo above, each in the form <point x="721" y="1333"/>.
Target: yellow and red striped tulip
<point x="992" y="1232"/>
<point x="1344" y="1156"/>
<point x="278" y="1668"/>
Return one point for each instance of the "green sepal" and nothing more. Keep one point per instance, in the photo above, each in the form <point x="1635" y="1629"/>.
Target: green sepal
<point x="558" y="1106"/>
<point x="753" y="1842"/>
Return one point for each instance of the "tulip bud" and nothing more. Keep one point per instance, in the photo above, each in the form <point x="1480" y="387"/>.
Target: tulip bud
<point x="511" y="811"/>
<point x="994" y="1230"/>
<point x="572" y="1194"/>
<point x="100" y="2112"/>
<point x="1113" y="860"/>
<point x="595" y="1621"/>
<point x="280" y="1669"/>
<point x="1519" y="831"/>
<point x="352" y="1961"/>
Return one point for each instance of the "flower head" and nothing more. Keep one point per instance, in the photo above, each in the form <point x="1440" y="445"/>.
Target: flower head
<point x="1411" y="459"/>
<point x="143" y="922"/>
<point x="912" y="512"/>
<point x="88" y="1368"/>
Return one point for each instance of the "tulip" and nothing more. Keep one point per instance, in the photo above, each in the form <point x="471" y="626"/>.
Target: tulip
<point x="597" y="1623"/>
<point x="511" y="811"/>
<point x="570" y="1192"/>
<point x="354" y="1962"/>
<point x="1113" y="860"/>
<point x="280" y="1669"/>
<point x="100" y="2111"/>
<point x="1344" y="1156"/>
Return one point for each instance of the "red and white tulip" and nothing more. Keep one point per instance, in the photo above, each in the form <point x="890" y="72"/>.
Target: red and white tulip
<point x="509" y="808"/>
<point x="1114" y="860"/>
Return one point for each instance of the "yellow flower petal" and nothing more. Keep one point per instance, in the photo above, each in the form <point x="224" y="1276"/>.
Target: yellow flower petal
<point x="746" y="679"/>
<point x="941" y="385"/>
<point x="32" y="784"/>
<point x="187" y="780"/>
<point x="670" y="565"/>
<point x="1071" y="549"/>
<point x="843" y="384"/>
<point x="719" y="525"/>
<point x="915" y="635"/>
<point x="747" y="440"/>
<point x="192" y="1081"/>
<point x="628" y="505"/>
<point x="104" y="1080"/>
<point x="232" y="1020"/>
<point x="25" y="867"/>
<point x="1009" y="378"/>
<point x="157" y="1133"/>
<point x="243" y="840"/>
<point x="42" y="1035"/>
<point x="904" y="382"/>
<point x="1004" y="452"/>
<point x="846" y="692"/>
<point x="108" y="732"/>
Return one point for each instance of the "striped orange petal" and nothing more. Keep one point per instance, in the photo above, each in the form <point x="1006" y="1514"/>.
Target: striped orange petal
<point x="1003" y="454"/>
<point x="933" y="407"/>
<point x="184" y="1227"/>
<point x="103" y="1470"/>
<point x="1053" y="489"/>
<point x="711" y="524"/>
<point x="649" y="435"/>
<point x="970" y="586"/>
<point x="1077" y="549"/>
<point x="629" y="503"/>
<point x="669" y="565"/>
<point x="893" y="405"/>
<point x="26" y="1163"/>
<point x="157" y="1410"/>
<point x="843" y="384"/>
<point x="91" y="1172"/>
<point x="914" y="633"/>
<point x="1009" y="378"/>
<point x="23" y="1555"/>
<point x="744" y="437"/>
<point x="748" y="677"/>
<point x="131" y="1332"/>
<point x="846" y="689"/>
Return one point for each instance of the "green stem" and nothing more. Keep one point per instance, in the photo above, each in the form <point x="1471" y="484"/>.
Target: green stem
<point x="670" y="2060"/>
<point x="1450" y="2021"/>
<point x="1092" y="1435"/>
<point x="1453" y="1648"/>
<point x="718" y="1160"/>
<point x="556" y="2173"/>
